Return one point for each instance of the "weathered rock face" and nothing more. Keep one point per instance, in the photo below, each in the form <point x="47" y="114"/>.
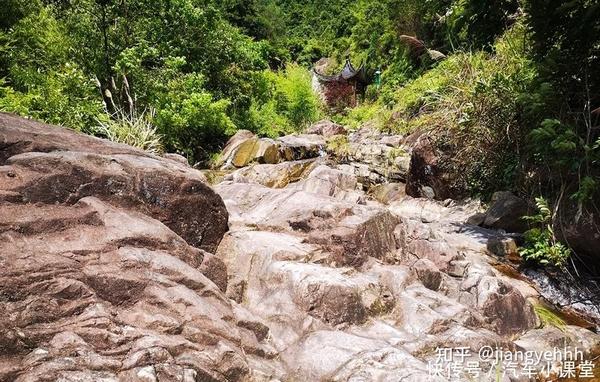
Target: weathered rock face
<point x="352" y="289"/>
<point x="96" y="288"/>
<point x="375" y="157"/>
<point x="313" y="281"/>
<point x="327" y="129"/>
<point x="274" y="175"/>
<point x="324" y="180"/>
<point x="388" y="192"/>
<point x="93" y="291"/>
<point x="51" y="165"/>
<point x="349" y="231"/>
<point x="579" y="228"/>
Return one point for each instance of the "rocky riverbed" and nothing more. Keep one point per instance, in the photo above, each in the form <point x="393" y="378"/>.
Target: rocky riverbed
<point x="305" y="261"/>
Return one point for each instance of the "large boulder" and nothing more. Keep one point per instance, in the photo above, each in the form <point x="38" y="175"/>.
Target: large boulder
<point x="506" y="211"/>
<point x="95" y="292"/>
<point x="244" y="148"/>
<point x="105" y="274"/>
<point x="579" y="228"/>
<point x="47" y="164"/>
<point x="426" y="178"/>
<point x="349" y="231"/>
<point x="326" y="128"/>
<point x="274" y="175"/>
<point x="301" y="146"/>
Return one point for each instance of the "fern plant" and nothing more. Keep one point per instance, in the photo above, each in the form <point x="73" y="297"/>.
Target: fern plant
<point x="541" y="244"/>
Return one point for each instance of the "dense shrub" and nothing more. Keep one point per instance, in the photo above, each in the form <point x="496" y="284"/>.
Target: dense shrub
<point x="191" y="121"/>
<point x="470" y="103"/>
<point x="541" y="244"/>
<point x="565" y="145"/>
<point x="41" y="81"/>
<point x="85" y="63"/>
<point x="294" y="97"/>
<point x="135" y="130"/>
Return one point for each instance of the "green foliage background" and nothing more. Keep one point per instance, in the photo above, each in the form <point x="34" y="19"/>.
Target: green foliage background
<point x="512" y="104"/>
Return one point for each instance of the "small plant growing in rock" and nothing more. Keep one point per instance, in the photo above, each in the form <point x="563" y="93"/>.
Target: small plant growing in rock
<point x="541" y="244"/>
<point x="395" y="153"/>
<point x="339" y="146"/>
<point x="549" y="318"/>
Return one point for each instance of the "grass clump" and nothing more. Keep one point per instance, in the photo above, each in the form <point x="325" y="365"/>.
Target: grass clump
<point x="372" y="112"/>
<point x="133" y="130"/>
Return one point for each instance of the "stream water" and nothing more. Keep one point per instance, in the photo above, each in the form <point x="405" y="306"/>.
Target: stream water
<point x="574" y="295"/>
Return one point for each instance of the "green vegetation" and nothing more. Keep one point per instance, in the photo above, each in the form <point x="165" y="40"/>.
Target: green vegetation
<point x="471" y="103"/>
<point x="339" y="146"/>
<point x="541" y="244"/>
<point x="200" y="68"/>
<point x="133" y="130"/>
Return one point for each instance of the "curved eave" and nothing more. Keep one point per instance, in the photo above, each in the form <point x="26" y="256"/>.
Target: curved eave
<point x="326" y="78"/>
<point x="353" y="73"/>
<point x="348" y="73"/>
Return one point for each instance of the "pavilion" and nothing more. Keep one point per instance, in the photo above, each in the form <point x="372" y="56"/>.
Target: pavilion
<point x="342" y="89"/>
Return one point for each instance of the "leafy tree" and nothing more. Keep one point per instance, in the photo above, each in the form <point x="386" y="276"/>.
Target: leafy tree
<point x="566" y="49"/>
<point x="476" y="24"/>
